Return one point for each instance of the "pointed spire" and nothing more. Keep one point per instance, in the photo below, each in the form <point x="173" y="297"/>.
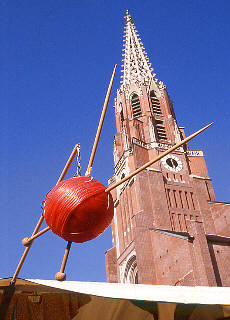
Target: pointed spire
<point x="136" y="66"/>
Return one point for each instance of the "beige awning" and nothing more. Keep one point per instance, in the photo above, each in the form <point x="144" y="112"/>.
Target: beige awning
<point x="48" y="299"/>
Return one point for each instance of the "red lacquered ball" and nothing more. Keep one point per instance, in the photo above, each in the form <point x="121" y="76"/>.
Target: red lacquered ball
<point x="78" y="209"/>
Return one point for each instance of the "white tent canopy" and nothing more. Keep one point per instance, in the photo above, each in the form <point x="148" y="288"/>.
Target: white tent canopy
<point x="174" y="294"/>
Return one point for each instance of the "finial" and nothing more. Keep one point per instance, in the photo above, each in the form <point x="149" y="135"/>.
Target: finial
<point x="128" y="16"/>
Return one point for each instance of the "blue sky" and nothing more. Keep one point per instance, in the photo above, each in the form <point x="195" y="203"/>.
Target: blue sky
<point x="57" y="58"/>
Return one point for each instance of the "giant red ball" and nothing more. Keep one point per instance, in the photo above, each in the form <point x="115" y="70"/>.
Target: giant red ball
<point x="78" y="209"/>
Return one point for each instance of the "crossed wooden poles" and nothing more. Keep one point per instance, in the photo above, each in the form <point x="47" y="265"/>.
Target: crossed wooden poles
<point x="29" y="241"/>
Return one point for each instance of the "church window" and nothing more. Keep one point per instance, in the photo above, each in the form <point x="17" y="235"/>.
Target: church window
<point x="174" y="194"/>
<point x="173" y="221"/>
<point x="179" y="222"/>
<point x="131" y="272"/>
<point x="185" y="222"/>
<point x="122" y="116"/>
<point x="181" y="201"/>
<point x="169" y="199"/>
<point x="186" y="197"/>
<point x="136" y="106"/>
<point x="155" y="103"/>
<point x="193" y="204"/>
<point x="161" y="133"/>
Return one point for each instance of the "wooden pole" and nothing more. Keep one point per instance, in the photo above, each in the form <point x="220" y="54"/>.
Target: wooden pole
<point x="65" y="256"/>
<point x="61" y="276"/>
<point x="163" y="154"/>
<point x="90" y="164"/>
<point x="62" y="176"/>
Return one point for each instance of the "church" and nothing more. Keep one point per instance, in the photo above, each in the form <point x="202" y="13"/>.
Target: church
<point x="168" y="228"/>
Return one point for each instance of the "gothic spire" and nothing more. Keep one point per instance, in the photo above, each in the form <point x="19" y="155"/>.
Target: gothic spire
<point x="136" y="65"/>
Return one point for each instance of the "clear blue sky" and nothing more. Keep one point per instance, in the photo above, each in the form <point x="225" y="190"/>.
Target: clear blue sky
<point x="56" y="61"/>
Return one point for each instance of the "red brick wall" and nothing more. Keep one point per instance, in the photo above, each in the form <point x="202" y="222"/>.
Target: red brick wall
<point x="172" y="260"/>
<point x="221" y="216"/>
<point x="220" y="254"/>
<point x="111" y="265"/>
<point x="198" y="166"/>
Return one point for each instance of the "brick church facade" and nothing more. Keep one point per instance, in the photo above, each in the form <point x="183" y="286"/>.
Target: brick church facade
<point x="168" y="228"/>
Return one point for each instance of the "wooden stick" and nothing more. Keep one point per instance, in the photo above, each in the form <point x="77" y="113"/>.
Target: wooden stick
<point x="62" y="176"/>
<point x="68" y="163"/>
<point x="90" y="164"/>
<point x="27" y="241"/>
<point x="61" y="276"/>
<point x="157" y="158"/>
<point x="67" y="250"/>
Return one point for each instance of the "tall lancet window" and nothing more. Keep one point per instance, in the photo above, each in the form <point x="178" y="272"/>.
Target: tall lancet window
<point x="136" y="106"/>
<point x="160" y="128"/>
<point x="122" y="117"/>
<point x="155" y="103"/>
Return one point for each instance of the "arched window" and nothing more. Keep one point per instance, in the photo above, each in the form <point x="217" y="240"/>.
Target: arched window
<point x="155" y="103"/>
<point x="131" y="272"/>
<point x="136" y="106"/>
<point x="122" y="116"/>
<point x="160" y="128"/>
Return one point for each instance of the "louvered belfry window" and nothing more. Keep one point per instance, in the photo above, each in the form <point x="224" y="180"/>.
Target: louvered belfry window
<point x="155" y="103"/>
<point x="161" y="133"/>
<point x="136" y="106"/>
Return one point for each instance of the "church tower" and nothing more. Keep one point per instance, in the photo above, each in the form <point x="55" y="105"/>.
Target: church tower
<point x="167" y="228"/>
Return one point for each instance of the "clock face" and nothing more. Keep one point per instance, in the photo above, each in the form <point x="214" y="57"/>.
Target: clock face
<point x="172" y="163"/>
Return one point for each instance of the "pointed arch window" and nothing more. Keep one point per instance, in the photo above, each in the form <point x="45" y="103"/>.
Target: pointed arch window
<point x="155" y="103"/>
<point x="122" y="116"/>
<point x="136" y="107"/>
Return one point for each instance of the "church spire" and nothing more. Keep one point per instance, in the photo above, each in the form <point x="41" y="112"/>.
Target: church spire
<point x="136" y="65"/>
